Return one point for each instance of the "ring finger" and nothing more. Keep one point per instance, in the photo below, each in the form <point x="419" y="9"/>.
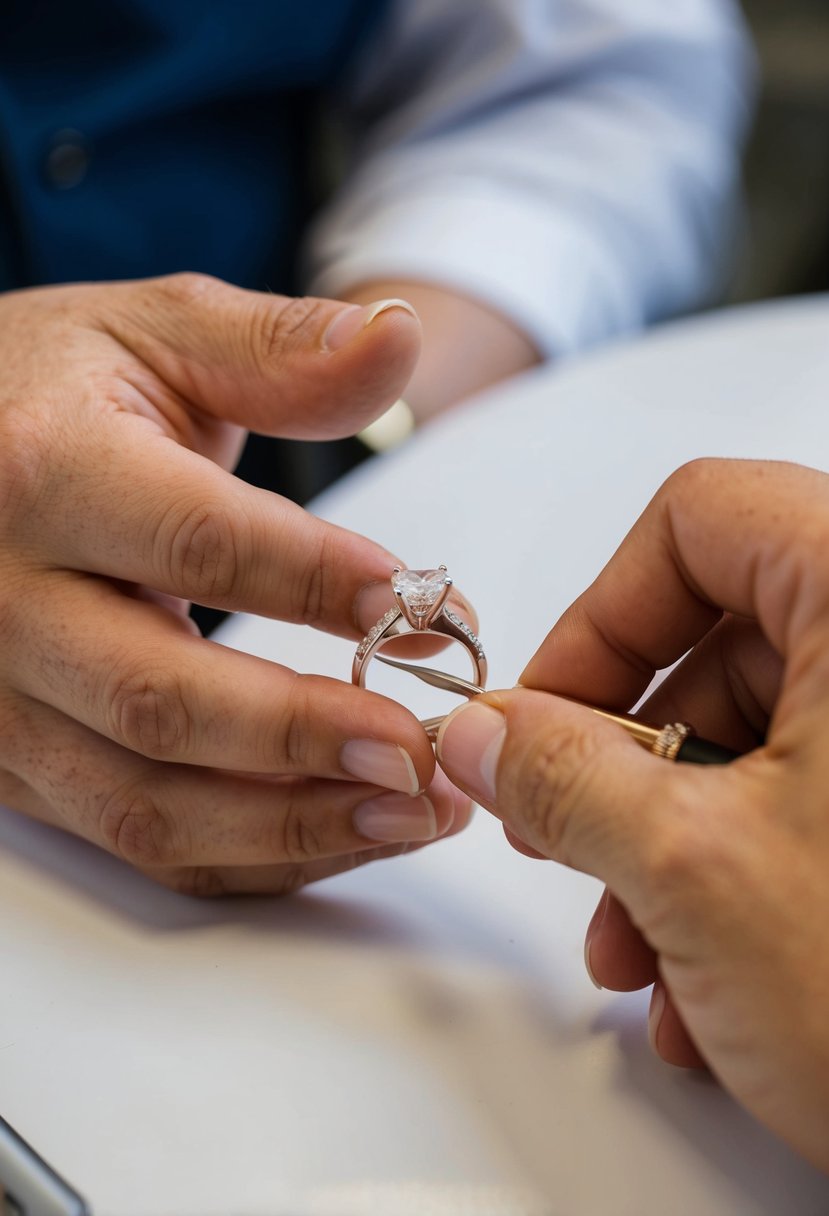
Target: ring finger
<point x="162" y="815"/>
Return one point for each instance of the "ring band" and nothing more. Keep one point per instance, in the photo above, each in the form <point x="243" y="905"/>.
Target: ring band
<point x="420" y="609"/>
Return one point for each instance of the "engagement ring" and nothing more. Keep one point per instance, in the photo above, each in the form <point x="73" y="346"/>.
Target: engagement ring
<point x="421" y="608"/>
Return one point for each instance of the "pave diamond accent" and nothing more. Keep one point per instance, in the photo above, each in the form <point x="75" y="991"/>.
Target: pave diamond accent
<point x="419" y="589"/>
<point x="375" y="631"/>
<point x="464" y="628"/>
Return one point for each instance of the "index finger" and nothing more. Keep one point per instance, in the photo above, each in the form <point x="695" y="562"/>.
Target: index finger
<point x="153" y="512"/>
<point x="719" y="535"/>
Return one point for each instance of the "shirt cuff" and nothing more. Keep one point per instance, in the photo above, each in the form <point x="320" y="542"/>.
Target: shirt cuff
<point x="541" y="268"/>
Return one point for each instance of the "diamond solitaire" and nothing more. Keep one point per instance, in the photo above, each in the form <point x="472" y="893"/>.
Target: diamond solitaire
<point x="420" y="607"/>
<point x="421" y="594"/>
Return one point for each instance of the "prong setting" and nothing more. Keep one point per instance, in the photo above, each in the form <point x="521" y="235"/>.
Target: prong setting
<point x="420" y="607"/>
<point x="421" y="594"/>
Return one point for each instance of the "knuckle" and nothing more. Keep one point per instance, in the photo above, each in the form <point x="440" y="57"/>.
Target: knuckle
<point x="667" y="862"/>
<point x="313" y="583"/>
<point x="148" y="715"/>
<point x="204" y="556"/>
<point x="287" y="324"/>
<point x="117" y="387"/>
<point x="555" y="783"/>
<point x="293" y="742"/>
<point x="136" y="829"/>
<point x="186" y="288"/>
<point x="15" y="620"/>
<point x="24" y="465"/>
<point x="299" y="841"/>
<point x="18" y="732"/>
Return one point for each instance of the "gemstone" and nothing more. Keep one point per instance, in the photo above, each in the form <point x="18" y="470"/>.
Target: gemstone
<point x="419" y="589"/>
<point x="375" y="631"/>
<point x="467" y="632"/>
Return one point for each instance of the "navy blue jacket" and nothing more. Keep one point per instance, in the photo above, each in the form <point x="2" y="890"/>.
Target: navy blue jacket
<point x="141" y="137"/>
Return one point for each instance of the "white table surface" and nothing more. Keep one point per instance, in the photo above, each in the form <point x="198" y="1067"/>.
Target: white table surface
<point x="419" y="1036"/>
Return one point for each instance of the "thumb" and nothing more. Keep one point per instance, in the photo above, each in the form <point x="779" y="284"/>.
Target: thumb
<point x="571" y="785"/>
<point x="301" y="368"/>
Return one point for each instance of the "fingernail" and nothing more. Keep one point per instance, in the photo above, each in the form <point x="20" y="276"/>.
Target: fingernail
<point x="469" y="746"/>
<point x="655" y="1012"/>
<point x="394" y="817"/>
<point x="352" y="321"/>
<point x="380" y="764"/>
<point x="592" y="929"/>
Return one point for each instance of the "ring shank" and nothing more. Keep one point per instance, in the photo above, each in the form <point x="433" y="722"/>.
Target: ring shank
<point x="446" y="625"/>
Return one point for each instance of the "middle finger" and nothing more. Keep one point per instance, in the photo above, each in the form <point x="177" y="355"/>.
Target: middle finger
<point x="162" y="815"/>
<point x="131" y="672"/>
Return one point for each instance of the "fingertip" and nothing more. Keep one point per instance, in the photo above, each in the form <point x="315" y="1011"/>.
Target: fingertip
<point x="380" y="762"/>
<point x="353" y="321"/>
<point x="420" y="817"/>
<point x="463" y="812"/>
<point x="372" y="369"/>
<point x="380" y="306"/>
<point x="339" y="366"/>
<point x="393" y="818"/>
<point x="373" y="351"/>
<point x="392" y="331"/>
<point x="442" y="795"/>
<point x="592" y="929"/>
<point x="521" y="846"/>
<point x="617" y="954"/>
<point x="667" y="1033"/>
<point x="343" y="328"/>
<point x="655" y="1012"/>
<point x="469" y="745"/>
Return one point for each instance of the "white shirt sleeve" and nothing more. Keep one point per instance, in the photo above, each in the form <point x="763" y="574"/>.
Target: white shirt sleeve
<point x="573" y="163"/>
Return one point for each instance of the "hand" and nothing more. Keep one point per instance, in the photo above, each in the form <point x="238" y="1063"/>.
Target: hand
<point x="467" y="345"/>
<point x="209" y="769"/>
<point x="718" y="875"/>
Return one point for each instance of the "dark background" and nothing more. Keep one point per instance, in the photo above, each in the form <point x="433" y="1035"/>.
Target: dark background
<point x="786" y="243"/>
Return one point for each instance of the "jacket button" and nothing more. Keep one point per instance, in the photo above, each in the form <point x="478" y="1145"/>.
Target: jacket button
<point x="67" y="159"/>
